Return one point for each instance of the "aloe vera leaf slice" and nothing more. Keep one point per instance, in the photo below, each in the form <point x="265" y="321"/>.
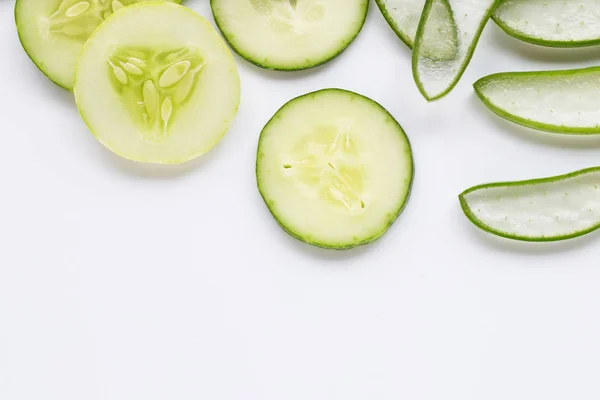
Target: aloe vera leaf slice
<point x="552" y="23"/>
<point x="403" y="17"/>
<point x="559" y="101"/>
<point x="548" y="209"/>
<point x="437" y="76"/>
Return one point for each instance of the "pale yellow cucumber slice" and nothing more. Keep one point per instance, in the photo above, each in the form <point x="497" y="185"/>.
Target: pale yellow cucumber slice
<point x="52" y="32"/>
<point x="289" y="34"/>
<point x="156" y="83"/>
<point x="334" y="168"/>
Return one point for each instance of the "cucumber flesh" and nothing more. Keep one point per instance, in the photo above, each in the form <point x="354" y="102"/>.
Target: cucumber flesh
<point x="334" y="168"/>
<point x="437" y="76"/>
<point x="289" y="34"/>
<point x="164" y="95"/>
<point x="562" y="101"/>
<point x="403" y="17"/>
<point x="52" y="32"/>
<point x="554" y="23"/>
<point x="548" y="209"/>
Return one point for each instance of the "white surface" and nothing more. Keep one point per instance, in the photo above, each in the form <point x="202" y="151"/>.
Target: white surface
<point x="123" y="282"/>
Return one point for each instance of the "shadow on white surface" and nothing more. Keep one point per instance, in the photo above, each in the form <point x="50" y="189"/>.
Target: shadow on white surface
<point x="533" y="135"/>
<point x="543" y="54"/>
<point x="484" y="238"/>
<point x="282" y="75"/>
<point x="115" y="162"/>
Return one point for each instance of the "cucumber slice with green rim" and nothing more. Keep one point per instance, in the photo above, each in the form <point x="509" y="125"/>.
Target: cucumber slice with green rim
<point x="52" y="32"/>
<point x="436" y="76"/>
<point x="403" y="17"/>
<point x="289" y="35"/>
<point x="334" y="168"/>
<point x="562" y="101"/>
<point x="165" y="94"/>
<point x="538" y="210"/>
<point x="553" y="23"/>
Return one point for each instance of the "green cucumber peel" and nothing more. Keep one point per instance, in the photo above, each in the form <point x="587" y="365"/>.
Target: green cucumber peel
<point x="551" y="23"/>
<point x="557" y="101"/>
<point x="437" y="76"/>
<point x="537" y="210"/>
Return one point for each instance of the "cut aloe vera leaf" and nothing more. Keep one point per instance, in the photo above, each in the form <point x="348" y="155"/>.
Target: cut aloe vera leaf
<point x="164" y="95"/>
<point x="554" y="23"/>
<point x="52" y="32"/>
<point x="334" y="168"/>
<point x="289" y="35"/>
<point x="549" y="209"/>
<point x="434" y="75"/>
<point x="403" y="17"/>
<point x="562" y="101"/>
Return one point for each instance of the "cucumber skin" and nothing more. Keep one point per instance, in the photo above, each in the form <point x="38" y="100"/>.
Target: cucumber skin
<point x="467" y="59"/>
<point x="36" y="63"/>
<point x="326" y="245"/>
<point x="471" y="216"/>
<point x="283" y="69"/>
<point x="564" y="130"/>
<point x="386" y="15"/>
<point x="542" y="42"/>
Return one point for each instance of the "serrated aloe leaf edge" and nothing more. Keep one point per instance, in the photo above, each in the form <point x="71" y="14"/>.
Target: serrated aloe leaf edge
<point x="536" y="186"/>
<point x="567" y="77"/>
<point x="465" y="54"/>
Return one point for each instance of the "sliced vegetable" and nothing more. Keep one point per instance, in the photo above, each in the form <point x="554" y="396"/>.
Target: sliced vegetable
<point x="554" y="23"/>
<point x="334" y="168"/>
<point x="289" y="34"/>
<point x="403" y="17"/>
<point x="562" y="101"/>
<point x="52" y="32"/>
<point x="549" y="209"/>
<point x="446" y="39"/>
<point x="164" y="95"/>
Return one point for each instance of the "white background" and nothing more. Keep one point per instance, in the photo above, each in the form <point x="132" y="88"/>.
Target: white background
<point x="121" y="281"/>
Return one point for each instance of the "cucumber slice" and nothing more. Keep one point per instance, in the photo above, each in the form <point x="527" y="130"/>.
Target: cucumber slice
<point x="563" y="101"/>
<point x="446" y="39"/>
<point x="403" y="17"/>
<point x="553" y="23"/>
<point x="334" y="168"/>
<point x="289" y="35"/>
<point x="52" y="32"/>
<point x="164" y="95"/>
<point x="549" y="209"/>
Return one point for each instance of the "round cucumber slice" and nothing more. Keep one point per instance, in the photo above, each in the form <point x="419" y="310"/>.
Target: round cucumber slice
<point x="289" y="35"/>
<point x="334" y="168"/>
<point x="166" y="93"/>
<point x="537" y="210"/>
<point x="52" y="32"/>
<point x="552" y="23"/>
